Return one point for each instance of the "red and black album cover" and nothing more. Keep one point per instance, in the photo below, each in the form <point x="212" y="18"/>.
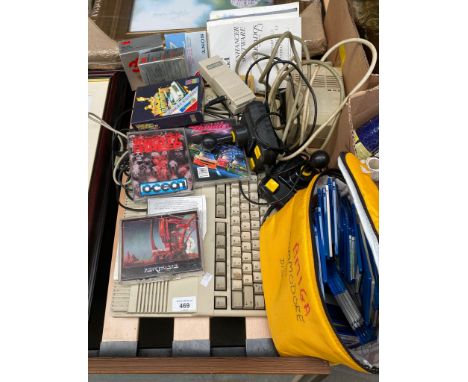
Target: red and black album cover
<point x="159" y="163"/>
<point x="160" y="245"/>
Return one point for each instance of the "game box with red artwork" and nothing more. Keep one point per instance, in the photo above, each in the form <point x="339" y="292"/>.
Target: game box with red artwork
<point x="159" y="163"/>
<point x="160" y="246"/>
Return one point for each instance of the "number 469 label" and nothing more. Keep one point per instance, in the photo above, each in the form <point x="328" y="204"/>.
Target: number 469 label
<point x="184" y="304"/>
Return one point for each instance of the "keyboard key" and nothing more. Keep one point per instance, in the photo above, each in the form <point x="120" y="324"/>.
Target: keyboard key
<point x="220" y="254"/>
<point x="256" y="245"/>
<point x="220" y="241"/>
<point x="255" y="234"/>
<point x="253" y="196"/>
<point x="236" y="262"/>
<point x="245" y="236"/>
<point x="263" y="209"/>
<point x="220" y="268"/>
<point x="220" y="302"/>
<point x="235" y="220"/>
<point x="259" y="302"/>
<point x="220" y="188"/>
<point x="234" y="191"/>
<point x="235" y="202"/>
<point x="256" y="255"/>
<point x="220" y="211"/>
<point x="236" y="274"/>
<point x="235" y="241"/>
<point x="254" y="215"/>
<point x="245" y="226"/>
<point x="236" y="300"/>
<point x="246" y="257"/>
<point x="221" y="199"/>
<point x="253" y="187"/>
<point x="246" y="268"/>
<point x="247" y="279"/>
<point x="258" y="288"/>
<point x="236" y="251"/>
<point x="257" y="277"/>
<point x="245" y="187"/>
<point x="245" y="216"/>
<point x="246" y="246"/>
<point x="255" y="224"/>
<point x="248" y="297"/>
<point x="235" y="230"/>
<point x="221" y="228"/>
<point x="235" y="210"/>
<point x="244" y="207"/>
<point x="253" y="207"/>
<point x="236" y="284"/>
<point x="256" y="266"/>
<point x="220" y="283"/>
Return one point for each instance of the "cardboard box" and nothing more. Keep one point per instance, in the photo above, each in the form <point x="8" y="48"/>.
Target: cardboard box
<point x="364" y="104"/>
<point x="175" y="103"/>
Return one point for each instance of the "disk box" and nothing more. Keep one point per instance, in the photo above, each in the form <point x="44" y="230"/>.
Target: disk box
<point x="159" y="163"/>
<point x="160" y="246"/>
<point x="220" y="162"/>
<point x="175" y="103"/>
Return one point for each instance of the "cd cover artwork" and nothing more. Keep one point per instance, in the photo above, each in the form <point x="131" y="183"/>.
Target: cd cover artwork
<point x="159" y="163"/>
<point x="224" y="162"/>
<point x="156" y="246"/>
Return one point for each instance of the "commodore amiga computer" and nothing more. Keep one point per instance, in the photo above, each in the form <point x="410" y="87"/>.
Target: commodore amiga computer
<point x="204" y="166"/>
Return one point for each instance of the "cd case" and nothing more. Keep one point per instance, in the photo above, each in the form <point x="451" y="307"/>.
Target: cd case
<point x="160" y="246"/>
<point x="224" y="163"/>
<point x="159" y="163"/>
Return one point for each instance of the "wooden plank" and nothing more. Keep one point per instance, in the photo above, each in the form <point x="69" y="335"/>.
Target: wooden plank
<point x="208" y="365"/>
<point x="256" y="327"/>
<point x="191" y="337"/>
<point x="118" y="328"/>
<point x="258" y="342"/>
<point x="191" y="328"/>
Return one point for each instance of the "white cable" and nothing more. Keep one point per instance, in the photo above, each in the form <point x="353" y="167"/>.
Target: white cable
<point x="93" y="117"/>
<point x="343" y="103"/>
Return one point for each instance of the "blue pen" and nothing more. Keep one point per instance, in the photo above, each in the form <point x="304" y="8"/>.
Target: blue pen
<point x="322" y="265"/>
<point x="334" y="199"/>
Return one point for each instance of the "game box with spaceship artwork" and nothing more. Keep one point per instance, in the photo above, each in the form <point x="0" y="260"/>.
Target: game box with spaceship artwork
<point x="215" y="162"/>
<point x="159" y="163"/>
<point x="168" y="104"/>
<point x="160" y="246"/>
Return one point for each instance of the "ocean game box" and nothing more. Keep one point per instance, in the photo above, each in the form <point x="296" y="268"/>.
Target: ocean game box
<point x="174" y="103"/>
<point x="159" y="163"/>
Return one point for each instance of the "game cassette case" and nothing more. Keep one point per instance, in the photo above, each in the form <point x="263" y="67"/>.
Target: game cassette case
<point x="160" y="246"/>
<point x="224" y="162"/>
<point x="168" y="104"/>
<point x="159" y="163"/>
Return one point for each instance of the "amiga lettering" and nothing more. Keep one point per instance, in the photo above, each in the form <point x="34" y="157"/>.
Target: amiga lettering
<point x="294" y="274"/>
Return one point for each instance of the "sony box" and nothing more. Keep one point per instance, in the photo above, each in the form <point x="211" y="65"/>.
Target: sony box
<point x="168" y="104"/>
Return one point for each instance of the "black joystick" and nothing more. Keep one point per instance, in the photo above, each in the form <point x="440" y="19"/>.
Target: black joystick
<point x="319" y="160"/>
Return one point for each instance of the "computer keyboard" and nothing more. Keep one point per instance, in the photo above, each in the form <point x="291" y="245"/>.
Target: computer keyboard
<point x="238" y="277"/>
<point x="231" y="253"/>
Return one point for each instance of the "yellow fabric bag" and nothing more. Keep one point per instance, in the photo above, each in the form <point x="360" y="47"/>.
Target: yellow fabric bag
<point x="297" y="315"/>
